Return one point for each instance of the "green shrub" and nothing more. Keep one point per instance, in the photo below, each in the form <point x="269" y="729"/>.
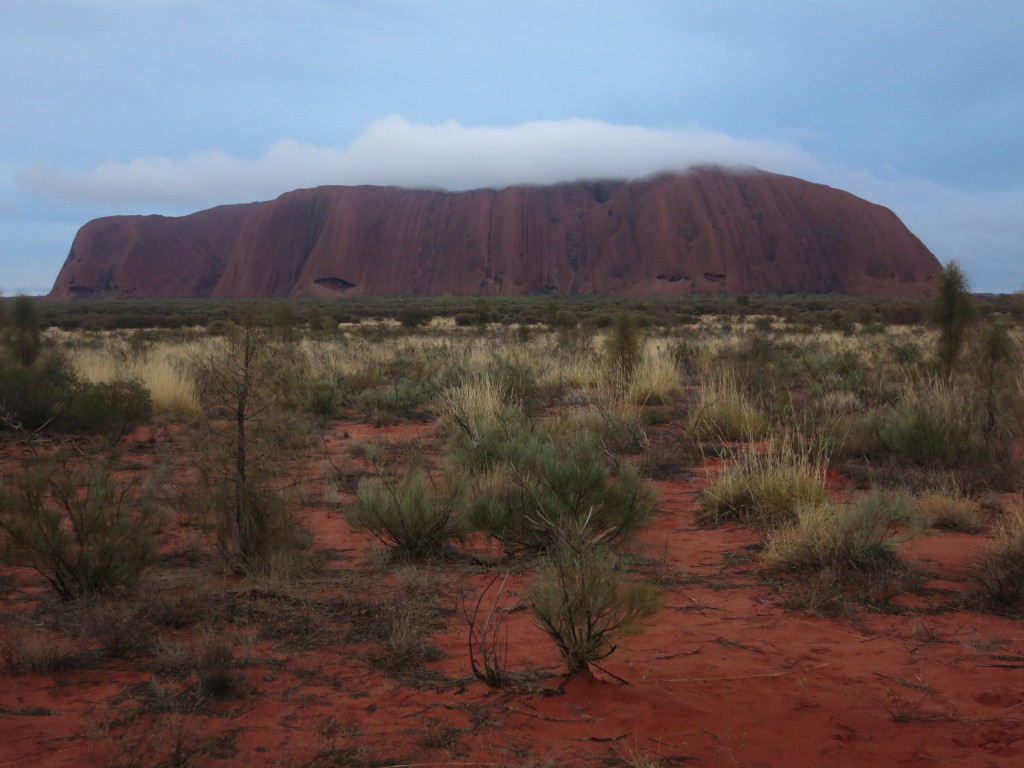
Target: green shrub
<point x="529" y="483"/>
<point x="415" y="514"/>
<point x="21" y="332"/>
<point x="75" y="526"/>
<point x="583" y="599"/>
<point x="36" y="396"/>
<point x="952" y="311"/>
<point x="826" y="537"/>
<point x="112" y="408"/>
<point x="218" y="328"/>
<point x="398" y="401"/>
<point x="935" y="425"/>
<point x="414" y="316"/>
<point x="324" y="397"/>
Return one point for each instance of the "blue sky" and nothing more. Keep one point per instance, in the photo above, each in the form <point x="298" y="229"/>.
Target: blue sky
<point x="171" y="106"/>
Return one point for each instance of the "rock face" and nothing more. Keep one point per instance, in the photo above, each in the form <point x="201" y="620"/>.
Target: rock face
<point x="709" y="231"/>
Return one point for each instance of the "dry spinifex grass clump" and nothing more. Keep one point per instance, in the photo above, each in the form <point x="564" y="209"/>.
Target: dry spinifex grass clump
<point x="862" y="538"/>
<point x="765" y="487"/>
<point x="998" y="569"/>
<point x="835" y="548"/>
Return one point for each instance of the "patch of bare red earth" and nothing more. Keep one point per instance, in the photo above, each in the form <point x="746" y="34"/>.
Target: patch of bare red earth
<point x="727" y="675"/>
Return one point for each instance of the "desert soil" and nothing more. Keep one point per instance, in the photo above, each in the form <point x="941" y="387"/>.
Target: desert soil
<point x="730" y="673"/>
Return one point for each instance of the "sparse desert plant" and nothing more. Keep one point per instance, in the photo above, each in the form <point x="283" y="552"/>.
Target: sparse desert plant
<point x="529" y="482"/>
<point x="998" y="570"/>
<point x="766" y="487"/>
<point x="213" y="675"/>
<point x="950" y="510"/>
<point x="583" y="598"/>
<point x="401" y="626"/>
<point x="120" y="627"/>
<point x="174" y="610"/>
<point x="414" y="513"/>
<point x="860" y="539"/>
<point x="488" y="631"/>
<point x="616" y="421"/>
<point x="74" y="524"/>
<point x="935" y="424"/>
<point x="23" y="652"/>
<point x="724" y="412"/>
<point x="655" y="380"/>
<point x="112" y="408"/>
<point x="241" y="377"/>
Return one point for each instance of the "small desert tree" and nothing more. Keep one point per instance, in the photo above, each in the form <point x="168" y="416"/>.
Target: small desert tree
<point x="241" y="378"/>
<point x="996" y="361"/>
<point x="952" y="311"/>
<point x="624" y="348"/>
<point x="22" y="333"/>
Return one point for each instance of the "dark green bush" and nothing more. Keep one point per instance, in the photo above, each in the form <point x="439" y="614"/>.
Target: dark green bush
<point x="531" y="482"/>
<point x="414" y="316"/>
<point x="398" y="401"/>
<point x="624" y="348"/>
<point x="952" y="311"/>
<point x="938" y="429"/>
<point x="75" y="526"/>
<point x="113" y="408"/>
<point x="21" y="331"/>
<point x="36" y="396"/>
<point x="413" y="513"/>
<point x="325" y="396"/>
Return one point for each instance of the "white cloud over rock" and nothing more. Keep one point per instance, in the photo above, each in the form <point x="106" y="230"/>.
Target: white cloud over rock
<point x="394" y="151"/>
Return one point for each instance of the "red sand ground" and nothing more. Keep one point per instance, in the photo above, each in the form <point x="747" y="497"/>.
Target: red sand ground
<point x="727" y="674"/>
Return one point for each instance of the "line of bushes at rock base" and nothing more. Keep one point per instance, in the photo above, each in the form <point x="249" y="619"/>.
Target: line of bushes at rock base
<point x="820" y="310"/>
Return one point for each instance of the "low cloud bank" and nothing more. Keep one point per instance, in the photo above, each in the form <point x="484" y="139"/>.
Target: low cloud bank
<point x="394" y="151"/>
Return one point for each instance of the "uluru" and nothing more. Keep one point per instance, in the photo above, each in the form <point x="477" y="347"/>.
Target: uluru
<point x="707" y="231"/>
